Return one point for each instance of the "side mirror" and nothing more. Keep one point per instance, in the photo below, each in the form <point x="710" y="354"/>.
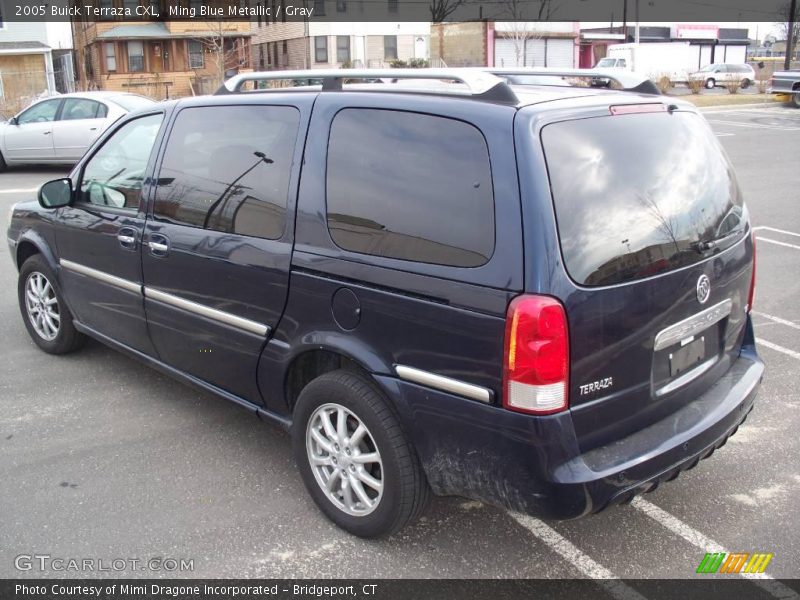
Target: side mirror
<point x="13" y="121"/>
<point x="56" y="193"/>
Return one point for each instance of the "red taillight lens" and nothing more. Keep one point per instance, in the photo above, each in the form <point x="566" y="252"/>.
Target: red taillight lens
<point x="752" y="279"/>
<point x="536" y="356"/>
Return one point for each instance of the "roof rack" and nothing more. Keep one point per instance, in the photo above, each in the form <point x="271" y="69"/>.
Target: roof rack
<point x="627" y="81"/>
<point x="482" y="84"/>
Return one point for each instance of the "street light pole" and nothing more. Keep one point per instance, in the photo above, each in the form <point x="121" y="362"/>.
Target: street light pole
<point x="790" y="41"/>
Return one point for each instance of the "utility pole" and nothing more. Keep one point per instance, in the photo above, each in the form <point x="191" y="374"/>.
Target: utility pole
<point x="625" y="21"/>
<point x="790" y="41"/>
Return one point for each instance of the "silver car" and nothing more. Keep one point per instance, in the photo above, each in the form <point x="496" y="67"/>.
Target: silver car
<point x="724" y="73"/>
<point x="58" y="130"/>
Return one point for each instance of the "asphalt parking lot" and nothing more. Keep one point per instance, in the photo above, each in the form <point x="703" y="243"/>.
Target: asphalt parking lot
<point x="103" y="457"/>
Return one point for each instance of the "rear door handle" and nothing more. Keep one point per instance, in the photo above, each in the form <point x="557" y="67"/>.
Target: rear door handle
<point x="127" y="237"/>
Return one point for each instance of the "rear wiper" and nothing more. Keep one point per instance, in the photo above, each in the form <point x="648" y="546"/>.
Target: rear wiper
<point x="711" y="243"/>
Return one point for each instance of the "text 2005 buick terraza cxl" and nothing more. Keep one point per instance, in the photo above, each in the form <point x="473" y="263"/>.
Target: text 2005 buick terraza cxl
<point x="534" y="296"/>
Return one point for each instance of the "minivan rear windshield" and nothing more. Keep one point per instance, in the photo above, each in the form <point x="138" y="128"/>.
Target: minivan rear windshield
<point x="640" y="194"/>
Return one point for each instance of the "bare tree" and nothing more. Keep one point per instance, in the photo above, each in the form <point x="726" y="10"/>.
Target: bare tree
<point x="790" y="30"/>
<point x="523" y="15"/>
<point x="222" y="54"/>
<point x="441" y="9"/>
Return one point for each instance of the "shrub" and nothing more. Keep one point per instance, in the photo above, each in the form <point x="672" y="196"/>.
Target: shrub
<point x="733" y="86"/>
<point x="695" y="85"/>
<point x="664" y="84"/>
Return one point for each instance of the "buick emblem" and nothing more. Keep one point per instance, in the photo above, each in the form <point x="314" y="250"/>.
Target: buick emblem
<point x="703" y="289"/>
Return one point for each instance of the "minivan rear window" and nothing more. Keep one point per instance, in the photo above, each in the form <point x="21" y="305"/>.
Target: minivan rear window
<point x="639" y="194"/>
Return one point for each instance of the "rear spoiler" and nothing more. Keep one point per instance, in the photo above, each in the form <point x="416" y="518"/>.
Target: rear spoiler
<point x="624" y="80"/>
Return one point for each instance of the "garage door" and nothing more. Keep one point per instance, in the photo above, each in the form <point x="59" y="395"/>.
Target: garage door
<point x="505" y="54"/>
<point x="535" y="53"/>
<point x="560" y="54"/>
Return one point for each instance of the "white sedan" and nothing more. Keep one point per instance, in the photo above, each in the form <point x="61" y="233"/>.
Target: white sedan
<point x="58" y="130"/>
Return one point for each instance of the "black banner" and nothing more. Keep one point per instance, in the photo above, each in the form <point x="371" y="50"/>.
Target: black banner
<point x="711" y="588"/>
<point x="287" y="11"/>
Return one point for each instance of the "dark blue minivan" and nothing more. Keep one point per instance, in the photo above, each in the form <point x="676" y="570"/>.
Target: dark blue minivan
<point x="534" y="296"/>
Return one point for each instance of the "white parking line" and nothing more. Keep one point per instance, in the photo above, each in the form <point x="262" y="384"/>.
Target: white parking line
<point x="753" y="125"/>
<point x="777" y="348"/>
<point x="578" y="559"/>
<point x="776" y="230"/>
<point x="777" y="243"/>
<point x="706" y="544"/>
<point x="791" y="324"/>
<point x="19" y="191"/>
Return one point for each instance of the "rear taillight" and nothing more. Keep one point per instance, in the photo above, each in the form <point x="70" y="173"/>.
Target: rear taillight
<point x="752" y="279"/>
<point x="536" y="356"/>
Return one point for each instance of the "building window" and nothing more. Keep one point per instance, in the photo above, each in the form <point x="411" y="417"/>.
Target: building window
<point x="135" y="57"/>
<point x="321" y="49"/>
<point x="319" y="8"/>
<point x="341" y="6"/>
<point x="261" y="64"/>
<point x="285" y="47"/>
<point x="105" y="7"/>
<point x="390" y="47"/>
<point x="196" y="58"/>
<point x="392" y="6"/>
<point x="342" y="48"/>
<point x="111" y="57"/>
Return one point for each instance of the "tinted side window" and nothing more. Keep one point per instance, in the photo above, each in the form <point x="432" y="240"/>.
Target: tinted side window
<point x="227" y="169"/>
<point x="410" y="186"/>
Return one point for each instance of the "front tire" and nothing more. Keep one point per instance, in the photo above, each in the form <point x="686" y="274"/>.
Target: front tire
<point x="745" y="83"/>
<point x="795" y="99"/>
<point x="46" y="316"/>
<point x="354" y="458"/>
<point x="710" y="84"/>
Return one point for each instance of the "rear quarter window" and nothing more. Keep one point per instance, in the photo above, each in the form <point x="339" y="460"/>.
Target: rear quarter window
<point x="410" y="186"/>
<point x="635" y="194"/>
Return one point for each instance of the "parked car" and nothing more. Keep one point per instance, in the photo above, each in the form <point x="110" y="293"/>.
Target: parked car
<point x="612" y="63"/>
<point x="786" y="86"/>
<point x="519" y="295"/>
<point x="58" y="130"/>
<point x="722" y="74"/>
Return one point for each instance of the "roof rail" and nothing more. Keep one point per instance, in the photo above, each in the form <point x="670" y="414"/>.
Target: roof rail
<point x="627" y="81"/>
<point x="482" y="84"/>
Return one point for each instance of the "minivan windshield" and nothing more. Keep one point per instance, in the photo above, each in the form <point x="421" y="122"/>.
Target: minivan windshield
<point x="640" y="194"/>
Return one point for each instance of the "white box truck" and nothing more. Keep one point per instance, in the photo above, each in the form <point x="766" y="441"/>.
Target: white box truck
<point x="653" y="60"/>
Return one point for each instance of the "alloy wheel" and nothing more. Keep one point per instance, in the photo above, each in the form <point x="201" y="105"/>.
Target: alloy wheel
<point x="345" y="460"/>
<point x="42" y="306"/>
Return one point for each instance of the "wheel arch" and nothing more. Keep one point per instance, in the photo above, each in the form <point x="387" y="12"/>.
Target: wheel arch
<point x="31" y="243"/>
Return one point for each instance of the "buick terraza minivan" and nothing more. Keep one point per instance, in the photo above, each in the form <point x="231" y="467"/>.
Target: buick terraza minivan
<point x="538" y="297"/>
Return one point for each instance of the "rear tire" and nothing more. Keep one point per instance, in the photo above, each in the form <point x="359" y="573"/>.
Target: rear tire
<point x="795" y="99"/>
<point x="354" y="458"/>
<point x="46" y="316"/>
<point x="710" y="84"/>
<point x="745" y="83"/>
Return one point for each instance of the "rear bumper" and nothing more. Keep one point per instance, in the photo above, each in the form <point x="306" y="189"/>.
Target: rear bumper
<point x="534" y="464"/>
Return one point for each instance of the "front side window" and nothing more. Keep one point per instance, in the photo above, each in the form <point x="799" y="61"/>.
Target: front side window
<point x="390" y="47"/>
<point x="82" y="108"/>
<point x="342" y="48"/>
<point x="44" y="112"/>
<point x="228" y="168"/>
<point x="321" y="49"/>
<point x="410" y="186"/>
<point x="114" y="175"/>
<point x="196" y="59"/>
<point x="135" y="57"/>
